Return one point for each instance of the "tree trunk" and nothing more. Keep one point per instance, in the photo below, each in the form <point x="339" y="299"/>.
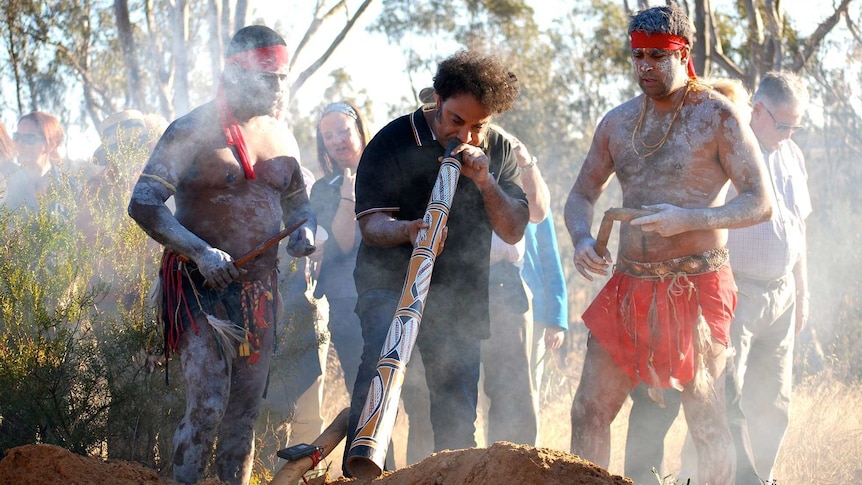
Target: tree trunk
<point x="703" y="38"/>
<point x="214" y="16"/>
<point x="240" y="15"/>
<point x="134" y="93"/>
<point x="179" y="37"/>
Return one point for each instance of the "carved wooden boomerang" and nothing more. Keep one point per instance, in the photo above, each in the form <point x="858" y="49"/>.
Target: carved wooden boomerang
<point x="622" y="214"/>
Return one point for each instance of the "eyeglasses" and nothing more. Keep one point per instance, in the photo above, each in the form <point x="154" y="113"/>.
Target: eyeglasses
<point x="27" y="139"/>
<point x="781" y="126"/>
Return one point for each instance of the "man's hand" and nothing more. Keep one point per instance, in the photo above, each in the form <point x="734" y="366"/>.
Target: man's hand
<point x="668" y="220"/>
<point x="216" y="266"/>
<point x="301" y="242"/>
<point x="802" y="309"/>
<point x="554" y="337"/>
<point x="474" y="165"/>
<point x="587" y="259"/>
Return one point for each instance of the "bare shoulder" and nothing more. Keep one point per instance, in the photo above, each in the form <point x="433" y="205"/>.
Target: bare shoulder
<point x="707" y="102"/>
<point x="618" y="116"/>
<point x="185" y="137"/>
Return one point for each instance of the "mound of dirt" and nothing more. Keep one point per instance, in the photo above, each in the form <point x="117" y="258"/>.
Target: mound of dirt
<point x="501" y="463"/>
<point x="52" y="465"/>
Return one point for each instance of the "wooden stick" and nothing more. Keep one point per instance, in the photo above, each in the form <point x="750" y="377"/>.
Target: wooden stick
<point x="622" y="214"/>
<point x="247" y="257"/>
<point x="291" y="472"/>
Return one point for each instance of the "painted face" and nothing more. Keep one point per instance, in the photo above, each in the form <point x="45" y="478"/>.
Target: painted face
<point x="30" y="142"/>
<point x="658" y="71"/>
<point x="262" y="91"/>
<point x="775" y="123"/>
<point x="462" y="117"/>
<point x="341" y="139"/>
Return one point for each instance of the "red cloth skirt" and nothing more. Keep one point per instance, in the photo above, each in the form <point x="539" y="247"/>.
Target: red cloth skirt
<point x="648" y="324"/>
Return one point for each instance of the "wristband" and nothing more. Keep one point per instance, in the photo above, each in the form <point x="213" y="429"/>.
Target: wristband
<point x="529" y="165"/>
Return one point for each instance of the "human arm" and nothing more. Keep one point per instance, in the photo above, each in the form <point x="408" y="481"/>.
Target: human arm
<point x="158" y="181"/>
<point x="538" y="194"/>
<point x="382" y="230"/>
<point x="508" y="215"/>
<point x="344" y="221"/>
<point x="295" y="207"/>
<point x="594" y="177"/>
<point x="800" y="275"/>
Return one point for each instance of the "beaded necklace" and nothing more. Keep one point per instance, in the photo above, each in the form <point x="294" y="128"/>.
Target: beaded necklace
<point x="636" y="132"/>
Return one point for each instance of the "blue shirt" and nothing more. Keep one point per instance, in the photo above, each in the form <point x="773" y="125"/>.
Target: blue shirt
<point x="543" y="273"/>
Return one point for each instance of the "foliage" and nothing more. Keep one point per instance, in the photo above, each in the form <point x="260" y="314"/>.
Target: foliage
<point x="52" y="374"/>
<point x="79" y="349"/>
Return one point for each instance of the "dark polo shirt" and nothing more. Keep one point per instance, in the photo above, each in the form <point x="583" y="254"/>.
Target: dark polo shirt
<point x="396" y="174"/>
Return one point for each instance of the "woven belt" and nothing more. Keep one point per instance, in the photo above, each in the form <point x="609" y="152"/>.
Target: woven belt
<point x="695" y="264"/>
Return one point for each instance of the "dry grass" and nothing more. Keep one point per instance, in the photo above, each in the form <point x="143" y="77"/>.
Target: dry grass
<point x="823" y="444"/>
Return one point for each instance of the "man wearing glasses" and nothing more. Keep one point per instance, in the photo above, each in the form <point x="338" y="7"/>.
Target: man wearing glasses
<point x="770" y="268"/>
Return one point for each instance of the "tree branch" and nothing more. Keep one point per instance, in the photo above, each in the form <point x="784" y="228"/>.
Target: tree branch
<point x="297" y="85"/>
<point x="816" y="39"/>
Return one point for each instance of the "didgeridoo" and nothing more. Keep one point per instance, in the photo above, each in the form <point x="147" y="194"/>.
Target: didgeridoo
<point x="368" y="450"/>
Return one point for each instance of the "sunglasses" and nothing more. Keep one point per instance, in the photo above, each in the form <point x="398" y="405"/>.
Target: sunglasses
<point x="27" y="139"/>
<point x="781" y="126"/>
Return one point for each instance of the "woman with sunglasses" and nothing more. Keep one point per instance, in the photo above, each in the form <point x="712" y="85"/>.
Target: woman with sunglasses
<point x="37" y="141"/>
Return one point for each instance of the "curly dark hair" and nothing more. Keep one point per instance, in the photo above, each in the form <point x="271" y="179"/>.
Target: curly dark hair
<point x="483" y="76"/>
<point x="665" y="20"/>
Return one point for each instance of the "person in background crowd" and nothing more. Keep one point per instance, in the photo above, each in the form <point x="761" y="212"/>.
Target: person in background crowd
<point x="770" y="267"/>
<point x="7" y="161"/>
<point x="342" y="135"/>
<point x="513" y="413"/>
<point x="37" y="142"/>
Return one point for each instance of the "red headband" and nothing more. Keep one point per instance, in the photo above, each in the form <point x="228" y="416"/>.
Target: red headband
<point x="267" y="59"/>
<point x="660" y="40"/>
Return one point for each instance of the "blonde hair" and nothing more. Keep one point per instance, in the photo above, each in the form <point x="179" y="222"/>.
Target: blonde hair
<point x="735" y="92"/>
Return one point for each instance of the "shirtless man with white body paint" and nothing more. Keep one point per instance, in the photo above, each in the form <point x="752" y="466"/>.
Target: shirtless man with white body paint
<point x="235" y="181"/>
<point x="674" y="148"/>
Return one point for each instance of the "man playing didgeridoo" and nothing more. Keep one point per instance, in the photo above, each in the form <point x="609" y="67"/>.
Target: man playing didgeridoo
<point x="393" y="184"/>
<point x="663" y="317"/>
<point x="235" y="182"/>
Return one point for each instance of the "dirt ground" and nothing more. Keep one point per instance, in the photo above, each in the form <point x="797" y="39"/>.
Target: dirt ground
<point x="500" y="463"/>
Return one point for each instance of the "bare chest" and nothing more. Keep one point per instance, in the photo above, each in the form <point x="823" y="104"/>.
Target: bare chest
<point x="667" y="159"/>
